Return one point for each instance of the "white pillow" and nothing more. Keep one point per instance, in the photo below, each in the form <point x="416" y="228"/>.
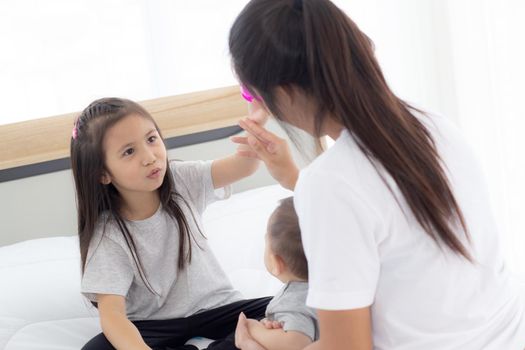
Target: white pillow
<point x="40" y="302"/>
<point x="235" y="229"/>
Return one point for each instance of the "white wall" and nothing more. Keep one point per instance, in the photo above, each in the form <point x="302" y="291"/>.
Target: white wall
<point x="44" y="205"/>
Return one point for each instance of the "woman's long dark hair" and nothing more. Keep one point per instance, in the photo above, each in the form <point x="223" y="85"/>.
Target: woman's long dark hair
<point x="312" y="45"/>
<point x="96" y="200"/>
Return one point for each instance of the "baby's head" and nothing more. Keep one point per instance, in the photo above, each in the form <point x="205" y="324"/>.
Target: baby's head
<point x="284" y="255"/>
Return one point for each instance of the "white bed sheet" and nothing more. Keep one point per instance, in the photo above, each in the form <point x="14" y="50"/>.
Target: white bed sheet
<point x="40" y="303"/>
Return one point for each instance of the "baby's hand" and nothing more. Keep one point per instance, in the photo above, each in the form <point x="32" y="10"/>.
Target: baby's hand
<point x="271" y="324"/>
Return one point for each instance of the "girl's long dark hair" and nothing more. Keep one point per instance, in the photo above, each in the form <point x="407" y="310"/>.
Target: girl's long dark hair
<point x="312" y="45"/>
<point x="97" y="202"/>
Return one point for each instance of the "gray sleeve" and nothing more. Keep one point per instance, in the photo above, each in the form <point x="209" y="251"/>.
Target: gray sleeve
<point x="298" y="322"/>
<point x="193" y="180"/>
<point x="108" y="271"/>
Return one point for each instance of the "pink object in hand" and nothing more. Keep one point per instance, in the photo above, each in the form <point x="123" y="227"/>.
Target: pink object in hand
<point x="247" y="96"/>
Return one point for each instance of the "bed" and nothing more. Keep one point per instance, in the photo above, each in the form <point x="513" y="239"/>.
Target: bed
<point x="41" y="307"/>
<point x="40" y="302"/>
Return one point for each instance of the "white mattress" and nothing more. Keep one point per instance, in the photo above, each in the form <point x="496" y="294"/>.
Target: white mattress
<point x="40" y="304"/>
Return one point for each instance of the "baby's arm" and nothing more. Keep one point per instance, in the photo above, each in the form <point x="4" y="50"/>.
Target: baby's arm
<point x="260" y="338"/>
<point x="117" y="328"/>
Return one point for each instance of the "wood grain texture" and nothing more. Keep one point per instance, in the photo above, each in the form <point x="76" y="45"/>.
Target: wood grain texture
<point x="47" y="139"/>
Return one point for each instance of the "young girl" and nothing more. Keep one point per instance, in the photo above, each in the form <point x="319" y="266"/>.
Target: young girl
<point x="146" y="263"/>
<point x="402" y="249"/>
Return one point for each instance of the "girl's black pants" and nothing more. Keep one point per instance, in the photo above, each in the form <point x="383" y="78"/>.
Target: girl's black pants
<point x="216" y="324"/>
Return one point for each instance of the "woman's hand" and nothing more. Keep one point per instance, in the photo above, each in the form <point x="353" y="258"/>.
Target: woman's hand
<point x="227" y="170"/>
<point x="257" y="113"/>
<point x="271" y="149"/>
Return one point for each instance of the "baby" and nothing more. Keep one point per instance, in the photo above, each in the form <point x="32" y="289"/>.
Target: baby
<point x="289" y="323"/>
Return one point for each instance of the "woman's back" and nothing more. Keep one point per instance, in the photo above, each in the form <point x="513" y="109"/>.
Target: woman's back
<point x="367" y="247"/>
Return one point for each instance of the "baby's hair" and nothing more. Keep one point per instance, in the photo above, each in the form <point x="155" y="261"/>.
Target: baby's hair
<point x="285" y="238"/>
<point x="95" y="199"/>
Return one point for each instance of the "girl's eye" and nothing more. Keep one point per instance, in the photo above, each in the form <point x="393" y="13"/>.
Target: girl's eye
<point x="152" y="139"/>
<point x="128" y="152"/>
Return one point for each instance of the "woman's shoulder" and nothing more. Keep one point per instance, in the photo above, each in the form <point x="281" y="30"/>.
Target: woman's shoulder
<point x="344" y="174"/>
<point x="341" y="163"/>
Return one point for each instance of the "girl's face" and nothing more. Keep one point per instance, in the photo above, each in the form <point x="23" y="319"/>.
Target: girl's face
<point x="135" y="155"/>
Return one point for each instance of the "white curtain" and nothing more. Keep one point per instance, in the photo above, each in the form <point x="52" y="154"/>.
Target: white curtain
<point x="59" y="55"/>
<point x="488" y="51"/>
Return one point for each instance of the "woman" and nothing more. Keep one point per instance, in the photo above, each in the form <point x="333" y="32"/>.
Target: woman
<point x="402" y="248"/>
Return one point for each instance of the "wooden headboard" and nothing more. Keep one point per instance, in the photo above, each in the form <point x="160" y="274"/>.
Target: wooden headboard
<point x="39" y="146"/>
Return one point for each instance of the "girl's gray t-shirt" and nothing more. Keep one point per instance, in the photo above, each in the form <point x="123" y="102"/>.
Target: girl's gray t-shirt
<point x="201" y="285"/>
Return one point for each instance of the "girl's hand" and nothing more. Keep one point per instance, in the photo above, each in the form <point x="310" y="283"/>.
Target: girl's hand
<point x="271" y="149"/>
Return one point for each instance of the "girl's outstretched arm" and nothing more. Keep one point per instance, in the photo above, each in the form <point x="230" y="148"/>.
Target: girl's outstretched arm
<point x="117" y="328"/>
<point x="228" y="170"/>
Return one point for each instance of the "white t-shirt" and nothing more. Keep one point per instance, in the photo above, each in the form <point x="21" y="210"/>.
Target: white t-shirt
<point x="364" y="248"/>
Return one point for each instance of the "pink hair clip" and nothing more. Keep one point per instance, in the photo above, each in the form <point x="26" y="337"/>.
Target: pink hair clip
<point x="74" y="132"/>
<point x="247" y="96"/>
